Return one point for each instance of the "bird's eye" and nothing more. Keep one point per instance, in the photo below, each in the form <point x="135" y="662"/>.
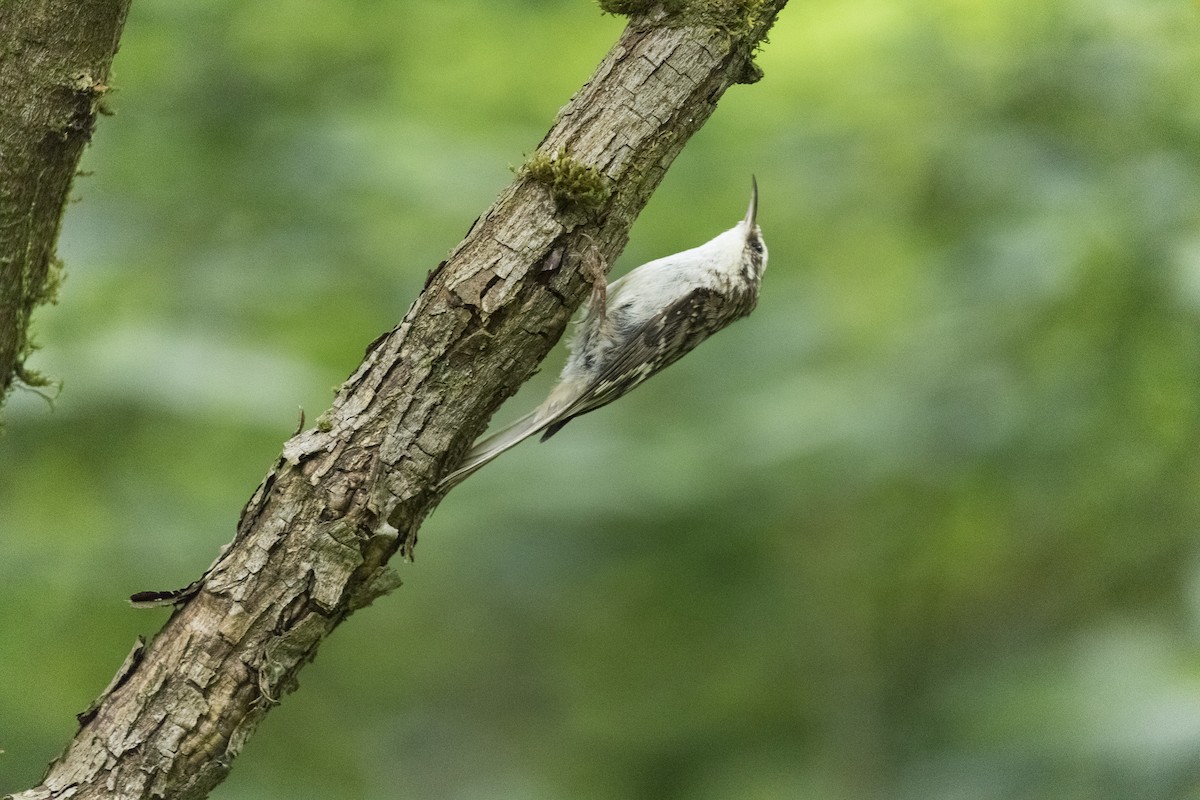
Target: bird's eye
<point x="756" y="245"/>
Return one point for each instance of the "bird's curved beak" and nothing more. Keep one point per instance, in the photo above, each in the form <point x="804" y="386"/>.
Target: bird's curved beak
<point x="752" y="212"/>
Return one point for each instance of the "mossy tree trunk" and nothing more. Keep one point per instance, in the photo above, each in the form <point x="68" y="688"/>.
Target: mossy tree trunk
<point x="54" y="62"/>
<point x="313" y="543"/>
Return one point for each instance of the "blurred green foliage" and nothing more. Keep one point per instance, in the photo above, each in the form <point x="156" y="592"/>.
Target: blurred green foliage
<point x="924" y="526"/>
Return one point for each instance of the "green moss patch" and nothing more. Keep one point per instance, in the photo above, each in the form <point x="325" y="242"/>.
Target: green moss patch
<point x="733" y="16"/>
<point x="572" y="183"/>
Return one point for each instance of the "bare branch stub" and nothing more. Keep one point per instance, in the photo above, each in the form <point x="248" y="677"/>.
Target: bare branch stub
<point x="314" y="541"/>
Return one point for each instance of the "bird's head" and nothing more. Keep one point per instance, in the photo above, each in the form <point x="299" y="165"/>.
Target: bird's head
<point x="754" y="248"/>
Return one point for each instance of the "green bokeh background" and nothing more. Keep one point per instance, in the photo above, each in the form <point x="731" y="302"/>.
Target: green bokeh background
<point x="925" y="526"/>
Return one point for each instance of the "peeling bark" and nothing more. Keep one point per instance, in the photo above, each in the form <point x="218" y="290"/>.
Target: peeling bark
<point x="54" y="62"/>
<point x="314" y="541"/>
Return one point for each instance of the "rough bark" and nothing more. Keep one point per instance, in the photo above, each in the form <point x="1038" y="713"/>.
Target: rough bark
<point x="314" y="541"/>
<point x="54" y="63"/>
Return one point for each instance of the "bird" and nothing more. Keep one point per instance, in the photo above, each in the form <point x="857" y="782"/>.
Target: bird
<point x="639" y="324"/>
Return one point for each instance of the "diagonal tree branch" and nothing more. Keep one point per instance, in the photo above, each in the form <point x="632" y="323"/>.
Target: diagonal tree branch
<point x="313" y="543"/>
<point x="54" y="61"/>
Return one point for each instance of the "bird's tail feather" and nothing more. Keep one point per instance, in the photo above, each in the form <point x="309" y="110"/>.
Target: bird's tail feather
<point x="487" y="449"/>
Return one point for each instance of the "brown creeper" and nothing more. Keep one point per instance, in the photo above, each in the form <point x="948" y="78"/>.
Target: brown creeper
<point x="645" y="321"/>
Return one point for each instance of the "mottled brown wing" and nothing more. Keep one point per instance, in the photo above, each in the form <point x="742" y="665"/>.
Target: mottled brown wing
<point x="657" y="343"/>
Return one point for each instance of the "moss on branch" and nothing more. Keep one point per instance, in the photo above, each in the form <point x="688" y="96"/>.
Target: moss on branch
<point x="732" y="16"/>
<point x="572" y="184"/>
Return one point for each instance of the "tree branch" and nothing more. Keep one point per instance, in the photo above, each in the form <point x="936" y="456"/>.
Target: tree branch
<point x="54" y="62"/>
<point x="314" y="541"/>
